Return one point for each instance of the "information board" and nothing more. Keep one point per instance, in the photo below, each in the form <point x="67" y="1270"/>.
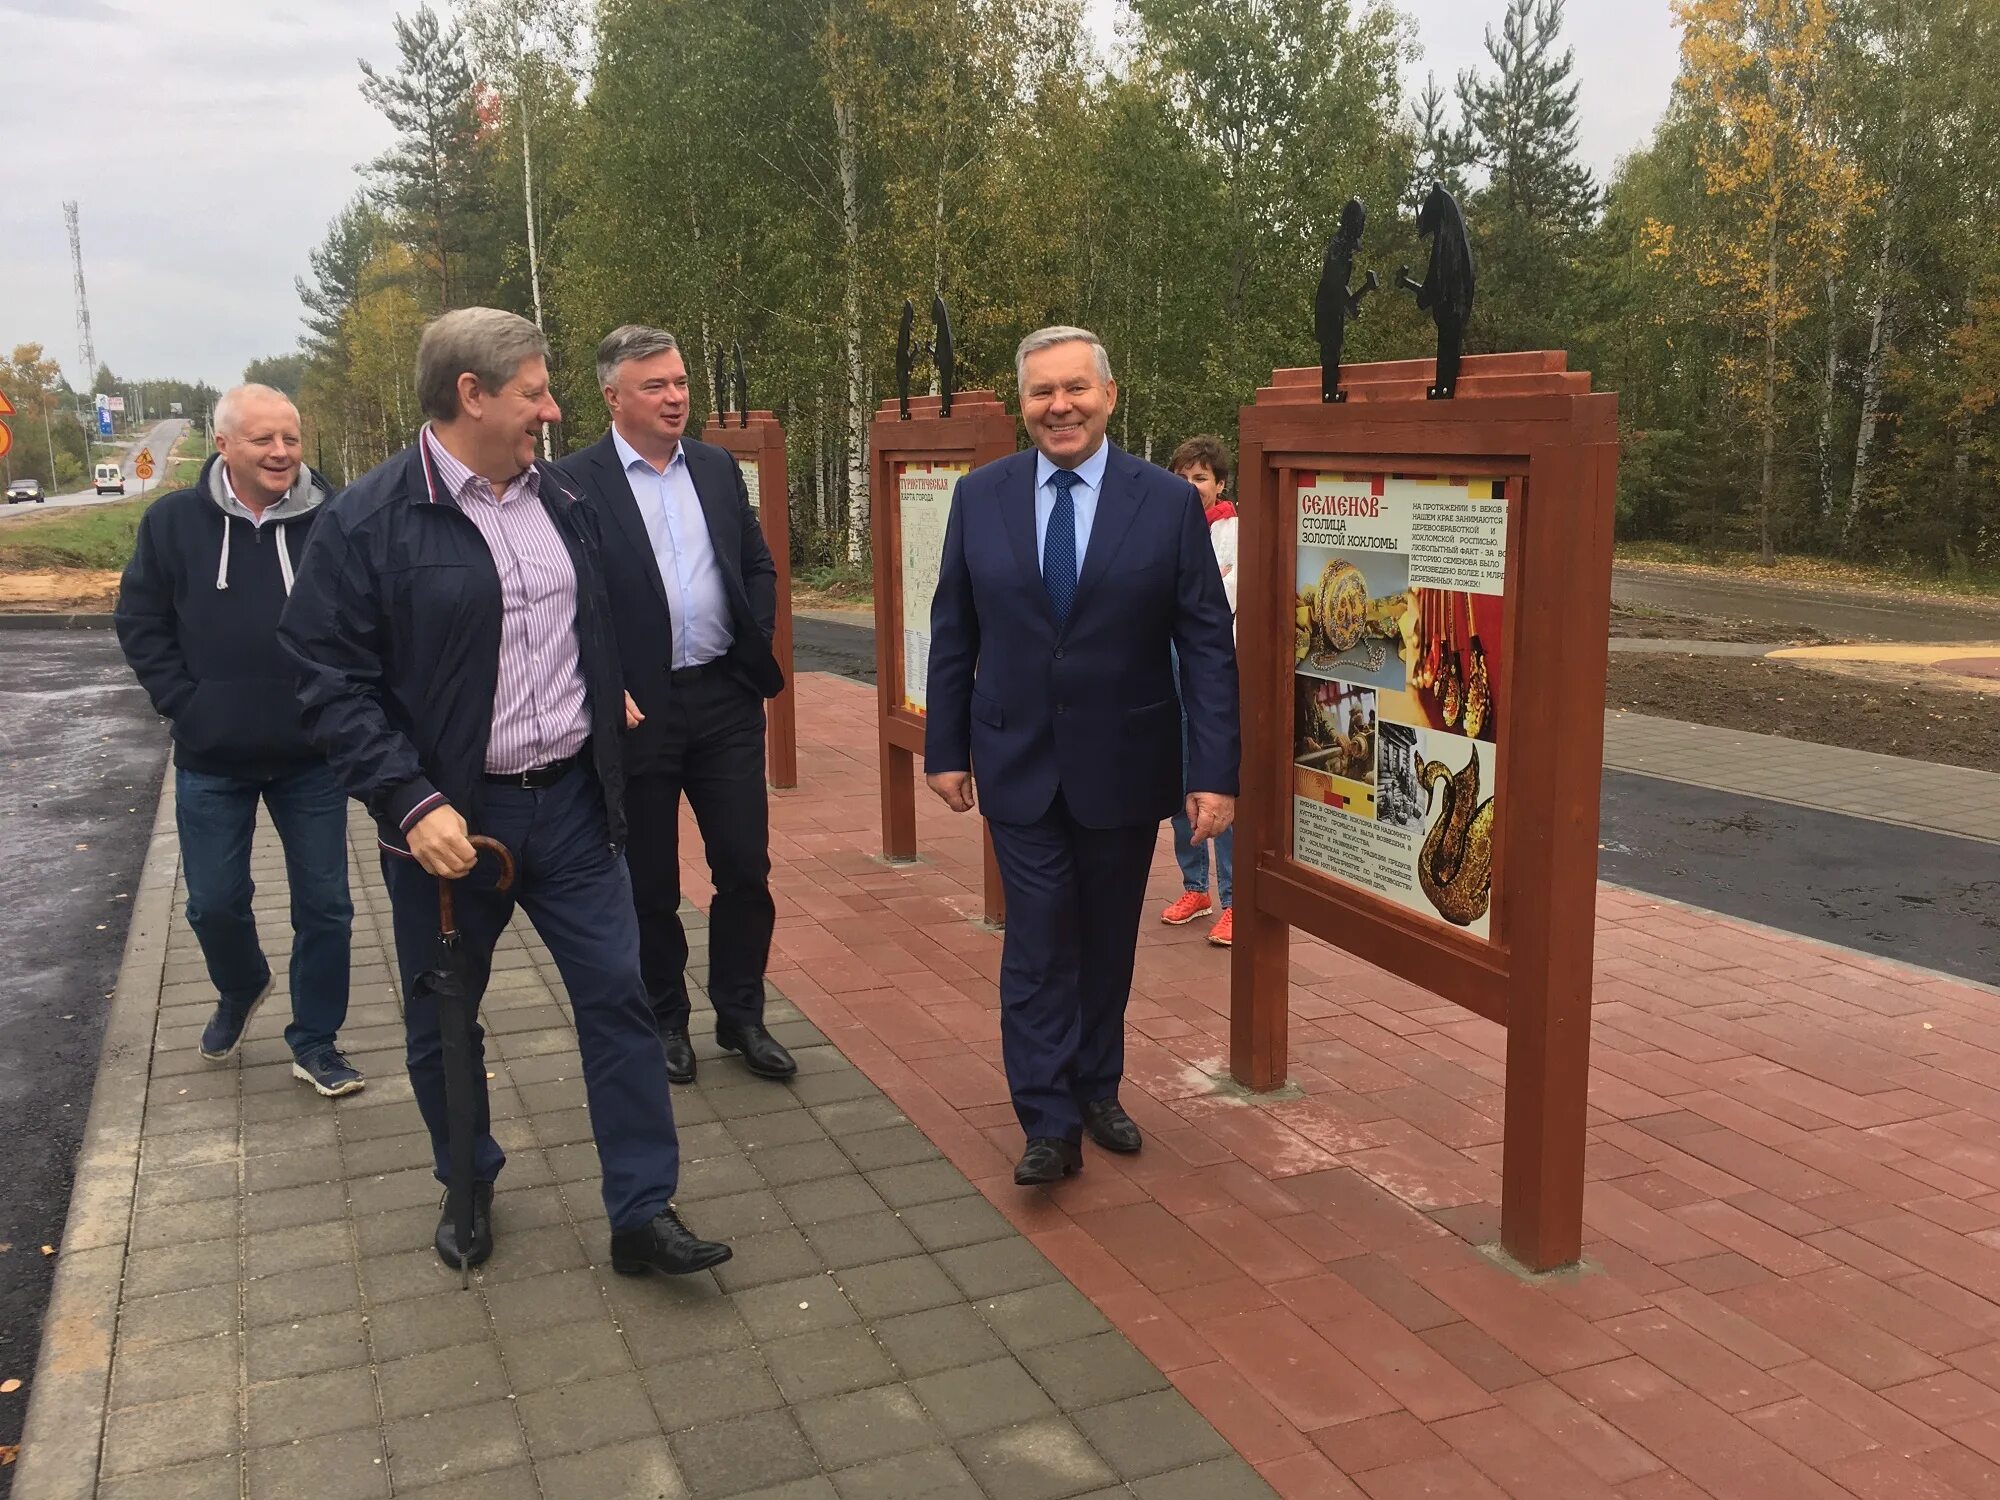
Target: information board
<point x="923" y="496"/>
<point x="915" y="461"/>
<point x="1398" y="626"/>
<point x="758" y="441"/>
<point x="1421" y="644"/>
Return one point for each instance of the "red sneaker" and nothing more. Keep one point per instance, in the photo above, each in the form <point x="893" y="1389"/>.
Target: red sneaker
<point x="1191" y="905"/>
<point x="1222" y="933"/>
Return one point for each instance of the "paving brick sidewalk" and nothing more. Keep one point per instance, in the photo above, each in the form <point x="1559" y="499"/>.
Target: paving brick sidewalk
<point x="1792" y="1219"/>
<point x="256" y="1312"/>
<point x="1792" y="1284"/>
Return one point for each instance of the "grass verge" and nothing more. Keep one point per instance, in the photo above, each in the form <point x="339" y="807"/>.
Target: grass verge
<point x="86" y="536"/>
<point x="839" y="587"/>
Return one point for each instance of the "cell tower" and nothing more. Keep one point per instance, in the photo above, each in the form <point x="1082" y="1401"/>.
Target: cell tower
<point x="88" y="344"/>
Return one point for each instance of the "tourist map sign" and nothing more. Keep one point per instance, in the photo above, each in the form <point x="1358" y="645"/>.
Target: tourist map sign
<point x="923" y="495"/>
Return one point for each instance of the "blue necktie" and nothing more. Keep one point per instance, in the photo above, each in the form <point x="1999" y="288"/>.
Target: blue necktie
<point x="1059" y="547"/>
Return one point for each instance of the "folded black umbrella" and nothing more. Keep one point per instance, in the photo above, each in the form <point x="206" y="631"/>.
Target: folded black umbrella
<point x="449" y="984"/>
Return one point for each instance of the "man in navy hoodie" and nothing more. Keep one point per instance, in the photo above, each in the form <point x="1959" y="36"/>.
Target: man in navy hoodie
<point x="198" y="618"/>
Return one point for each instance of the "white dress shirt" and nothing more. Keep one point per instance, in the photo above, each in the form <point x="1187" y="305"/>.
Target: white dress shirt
<point x="696" y="601"/>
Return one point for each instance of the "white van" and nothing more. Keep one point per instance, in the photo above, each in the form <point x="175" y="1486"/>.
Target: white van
<point x="109" y="479"/>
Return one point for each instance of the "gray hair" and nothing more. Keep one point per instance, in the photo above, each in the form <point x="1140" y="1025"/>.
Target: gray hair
<point x="633" y="341"/>
<point x="483" y="342"/>
<point x="229" y="406"/>
<point x="1048" y="338"/>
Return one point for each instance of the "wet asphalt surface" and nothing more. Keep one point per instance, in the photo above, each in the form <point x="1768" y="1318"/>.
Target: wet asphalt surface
<point x="1841" y="615"/>
<point x="1901" y="893"/>
<point x="80" y="762"/>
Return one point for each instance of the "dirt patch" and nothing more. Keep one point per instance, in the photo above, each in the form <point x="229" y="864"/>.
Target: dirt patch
<point x="1643" y="622"/>
<point x="1817" y="575"/>
<point x="857" y="601"/>
<point x="1884" y="716"/>
<point x="59" y="591"/>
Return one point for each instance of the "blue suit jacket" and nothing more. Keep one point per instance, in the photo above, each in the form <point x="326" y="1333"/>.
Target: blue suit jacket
<point x="1088" y="709"/>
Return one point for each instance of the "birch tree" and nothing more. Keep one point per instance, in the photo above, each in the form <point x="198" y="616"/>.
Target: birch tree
<point x="1772" y="171"/>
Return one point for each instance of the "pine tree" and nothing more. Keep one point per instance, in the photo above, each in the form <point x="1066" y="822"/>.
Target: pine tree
<point x="429" y="176"/>
<point x="1519" y="125"/>
<point x="336" y="274"/>
<point x="1521" y="122"/>
<point x="1443" y="150"/>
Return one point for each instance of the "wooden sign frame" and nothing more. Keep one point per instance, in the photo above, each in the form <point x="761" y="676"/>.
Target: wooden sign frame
<point x="978" y="431"/>
<point x="1528" y="420"/>
<point x="760" y="449"/>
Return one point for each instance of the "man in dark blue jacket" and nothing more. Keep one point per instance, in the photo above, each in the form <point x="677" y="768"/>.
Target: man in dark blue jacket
<point x="198" y="619"/>
<point x="457" y="667"/>
<point x="1068" y="573"/>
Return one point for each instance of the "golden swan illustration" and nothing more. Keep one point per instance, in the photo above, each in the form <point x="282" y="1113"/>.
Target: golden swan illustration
<point x="1455" y="866"/>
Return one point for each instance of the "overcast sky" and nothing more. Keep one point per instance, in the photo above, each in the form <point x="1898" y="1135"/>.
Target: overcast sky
<point x="208" y="143"/>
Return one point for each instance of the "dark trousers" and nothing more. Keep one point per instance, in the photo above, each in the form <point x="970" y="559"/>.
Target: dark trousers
<point x="217" y="817"/>
<point x="574" y="889"/>
<point x="709" y="742"/>
<point x="1074" y="896"/>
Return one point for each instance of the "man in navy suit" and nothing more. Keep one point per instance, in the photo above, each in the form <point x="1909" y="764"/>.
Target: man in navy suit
<point x="1067" y="574"/>
<point x="693" y="603"/>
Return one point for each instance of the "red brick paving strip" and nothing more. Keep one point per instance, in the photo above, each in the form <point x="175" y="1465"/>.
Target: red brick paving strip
<point x="1792" y="1219"/>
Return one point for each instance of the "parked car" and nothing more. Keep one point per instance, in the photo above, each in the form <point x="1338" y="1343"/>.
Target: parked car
<point x="25" y="489"/>
<point x="109" y="479"/>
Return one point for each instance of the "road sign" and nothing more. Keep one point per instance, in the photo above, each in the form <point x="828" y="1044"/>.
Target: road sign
<point x="6" y="432"/>
<point x="143" y="464"/>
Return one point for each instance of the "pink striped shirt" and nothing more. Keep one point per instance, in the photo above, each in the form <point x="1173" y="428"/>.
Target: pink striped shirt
<point x="540" y="708"/>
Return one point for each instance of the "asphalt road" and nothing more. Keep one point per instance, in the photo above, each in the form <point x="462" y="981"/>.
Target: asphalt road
<point x="80" y="762"/>
<point x="1841" y="614"/>
<point x="159" y="440"/>
<point x="1900" y="893"/>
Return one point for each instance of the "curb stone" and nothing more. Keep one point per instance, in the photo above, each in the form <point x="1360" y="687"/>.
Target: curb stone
<point x="66" y="1412"/>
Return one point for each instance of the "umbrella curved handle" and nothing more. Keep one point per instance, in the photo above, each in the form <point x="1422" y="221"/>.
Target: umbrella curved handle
<point x="447" y="921"/>
<point x="500" y="852"/>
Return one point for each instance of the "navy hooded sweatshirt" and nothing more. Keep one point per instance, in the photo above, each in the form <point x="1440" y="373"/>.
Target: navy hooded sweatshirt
<point x="198" y="619"/>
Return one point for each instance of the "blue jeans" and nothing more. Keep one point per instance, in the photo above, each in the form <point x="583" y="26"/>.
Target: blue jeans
<point x="1193" y="857"/>
<point x="217" y="816"/>
<point x="577" y="894"/>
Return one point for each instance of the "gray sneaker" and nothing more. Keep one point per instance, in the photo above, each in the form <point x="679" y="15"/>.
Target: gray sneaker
<point x="224" y="1032"/>
<point x="326" y="1070"/>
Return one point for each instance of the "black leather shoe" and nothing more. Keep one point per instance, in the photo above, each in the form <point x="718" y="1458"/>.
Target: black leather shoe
<point x="446" y="1240"/>
<point x="666" y="1246"/>
<point x="680" y="1056"/>
<point x="762" y="1053"/>
<point x="1110" y="1126"/>
<point x="1048" y="1160"/>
